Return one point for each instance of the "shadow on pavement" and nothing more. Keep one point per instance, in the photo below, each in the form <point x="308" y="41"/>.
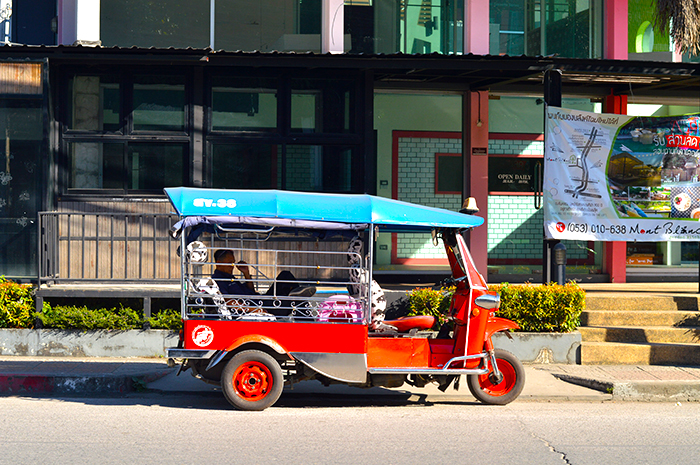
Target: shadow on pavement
<point x="216" y="401"/>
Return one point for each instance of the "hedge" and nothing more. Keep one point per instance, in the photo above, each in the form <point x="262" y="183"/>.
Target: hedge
<point x="16" y="305"/>
<point x="540" y="309"/>
<point x="122" y="318"/>
<point x="17" y="312"/>
<point x="427" y="301"/>
<point x="71" y="317"/>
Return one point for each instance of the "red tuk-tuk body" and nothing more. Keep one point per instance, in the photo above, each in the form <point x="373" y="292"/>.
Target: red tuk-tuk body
<point x="247" y="342"/>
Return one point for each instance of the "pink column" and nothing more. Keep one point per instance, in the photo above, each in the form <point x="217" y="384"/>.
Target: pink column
<point x="616" y="30"/>
<point x="476" y="142"/>
<point x="476" y="27"/>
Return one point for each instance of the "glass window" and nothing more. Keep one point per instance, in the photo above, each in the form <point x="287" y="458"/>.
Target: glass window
<point x="94" y="103"/>
<point x="642" y="36"/>
<point x="165" y="23"/>
<point x="244" y="166"/>
<point x="155" y="166"/>
<point x="408" y="26"/>
<point x="136" y="166"/>
<point x="267" y="25"/>
<point x="507" y="27"/>
<point x="568" y="28"/>
<point x="690" y="58"/>
<point x="159" y="103"/>
<point x="321" y="106"/>
<point x="22" y="156"/>
<point x="448" y="173"/>
<point x="244" y="104"/>
<point x="96" y="165"/>
<point x="319" y="168"/>
<point x="306" y="111"/>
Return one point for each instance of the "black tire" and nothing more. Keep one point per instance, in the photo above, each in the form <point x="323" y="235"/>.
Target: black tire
<point x="508" y="389"/>
<point x="252" y="380"/>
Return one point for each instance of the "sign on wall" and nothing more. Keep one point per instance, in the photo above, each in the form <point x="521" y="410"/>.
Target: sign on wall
<point x="512" y="174"/>
<point x="621" y="178"/>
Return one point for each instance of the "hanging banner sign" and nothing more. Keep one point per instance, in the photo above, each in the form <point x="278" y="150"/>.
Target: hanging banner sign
<point x="621" y="178"/>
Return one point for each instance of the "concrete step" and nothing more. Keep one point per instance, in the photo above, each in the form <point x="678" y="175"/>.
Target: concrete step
<point x="645" y="303"/>
<point x="640" y="318"/>
<point x="641" y="334"/>
<point x="619" y="353"/>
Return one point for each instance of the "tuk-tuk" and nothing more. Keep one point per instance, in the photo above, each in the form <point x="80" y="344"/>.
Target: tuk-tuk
<point x="278" y="288"/>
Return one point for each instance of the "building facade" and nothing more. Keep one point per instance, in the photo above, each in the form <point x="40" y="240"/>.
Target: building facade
<point x="106" y="102"/>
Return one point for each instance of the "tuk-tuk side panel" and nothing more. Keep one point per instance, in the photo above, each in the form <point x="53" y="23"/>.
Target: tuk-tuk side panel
<point x="399" y="352"/>
<point x="442" y="346"/>
<point x="291" y="337"/>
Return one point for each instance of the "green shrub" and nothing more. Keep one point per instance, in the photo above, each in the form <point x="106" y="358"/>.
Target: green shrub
<point x="71" y="317"/>
<point x="427" y="301"/>
<point x="542" y="309"/>
<point x="166" y="319"/>
<point x="121" y="318"/>
<point x="16" y="305"/>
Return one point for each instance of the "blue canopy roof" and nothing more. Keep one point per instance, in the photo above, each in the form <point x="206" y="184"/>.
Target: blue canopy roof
<point x="335" y="208"/>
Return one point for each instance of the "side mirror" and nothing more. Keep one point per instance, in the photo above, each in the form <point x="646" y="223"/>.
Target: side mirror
<point x="488" y="301"/>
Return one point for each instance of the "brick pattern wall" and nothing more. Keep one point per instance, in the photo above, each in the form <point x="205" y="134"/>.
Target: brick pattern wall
<point x="305" y="168"/>
<point x="303" y="165"/>
<point x="416" y="184"/>
<point x="514" y="226"/>
<point x="515" y="230"/>
<point x="516" y="147"/>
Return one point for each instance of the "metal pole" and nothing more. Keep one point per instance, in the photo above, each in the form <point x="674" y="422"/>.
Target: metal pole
<point x="552" y="96"/>
<point x="183" y="275"/>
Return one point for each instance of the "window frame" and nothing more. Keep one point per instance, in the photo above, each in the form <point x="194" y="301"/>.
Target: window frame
<point x="125" y="135"/>
<point x="283" y="136"/>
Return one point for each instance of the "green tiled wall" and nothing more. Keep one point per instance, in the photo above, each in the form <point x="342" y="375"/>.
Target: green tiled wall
<point x="515" y="229"/>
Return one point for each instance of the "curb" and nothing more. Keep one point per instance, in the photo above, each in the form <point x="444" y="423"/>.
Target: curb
<point x="648" y="391"/>
<point x="668" y="391"/>
<point x="21" y="384"/>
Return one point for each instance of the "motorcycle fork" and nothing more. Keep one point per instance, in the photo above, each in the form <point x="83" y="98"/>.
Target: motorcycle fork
<point x="495" y="376"/>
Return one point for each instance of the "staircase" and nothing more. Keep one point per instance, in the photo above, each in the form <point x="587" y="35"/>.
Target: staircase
<point x="640" y="330"/>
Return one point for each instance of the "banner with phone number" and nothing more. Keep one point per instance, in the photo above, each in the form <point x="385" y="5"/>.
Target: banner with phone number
<point x="621" y="178"/>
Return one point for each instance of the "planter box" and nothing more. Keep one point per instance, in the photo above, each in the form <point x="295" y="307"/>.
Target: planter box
<point x="528" y="347"/>
<point x="75" y="343"/>
<point x="542" y="347"/>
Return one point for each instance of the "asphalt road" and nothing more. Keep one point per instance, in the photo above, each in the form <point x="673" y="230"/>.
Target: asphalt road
<point x="204" y="429"/>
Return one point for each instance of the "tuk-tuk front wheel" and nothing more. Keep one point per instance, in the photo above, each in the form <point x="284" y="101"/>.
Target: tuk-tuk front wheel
<point x="252" y="380"/>
<point x="489" y="389"/>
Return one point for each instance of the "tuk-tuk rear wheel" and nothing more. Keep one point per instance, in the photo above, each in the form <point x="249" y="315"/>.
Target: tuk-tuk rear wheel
<point x="489" y="390"/>
<point x="252" y="380"/>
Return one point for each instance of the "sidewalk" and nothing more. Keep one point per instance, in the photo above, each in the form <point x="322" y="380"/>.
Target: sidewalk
<point x="642" y="289"/>
<point x="34" y="376"/>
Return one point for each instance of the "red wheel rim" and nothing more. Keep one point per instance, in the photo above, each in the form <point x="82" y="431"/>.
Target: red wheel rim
<point x="252" y="381"/>
<point x="505" y="386"/>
